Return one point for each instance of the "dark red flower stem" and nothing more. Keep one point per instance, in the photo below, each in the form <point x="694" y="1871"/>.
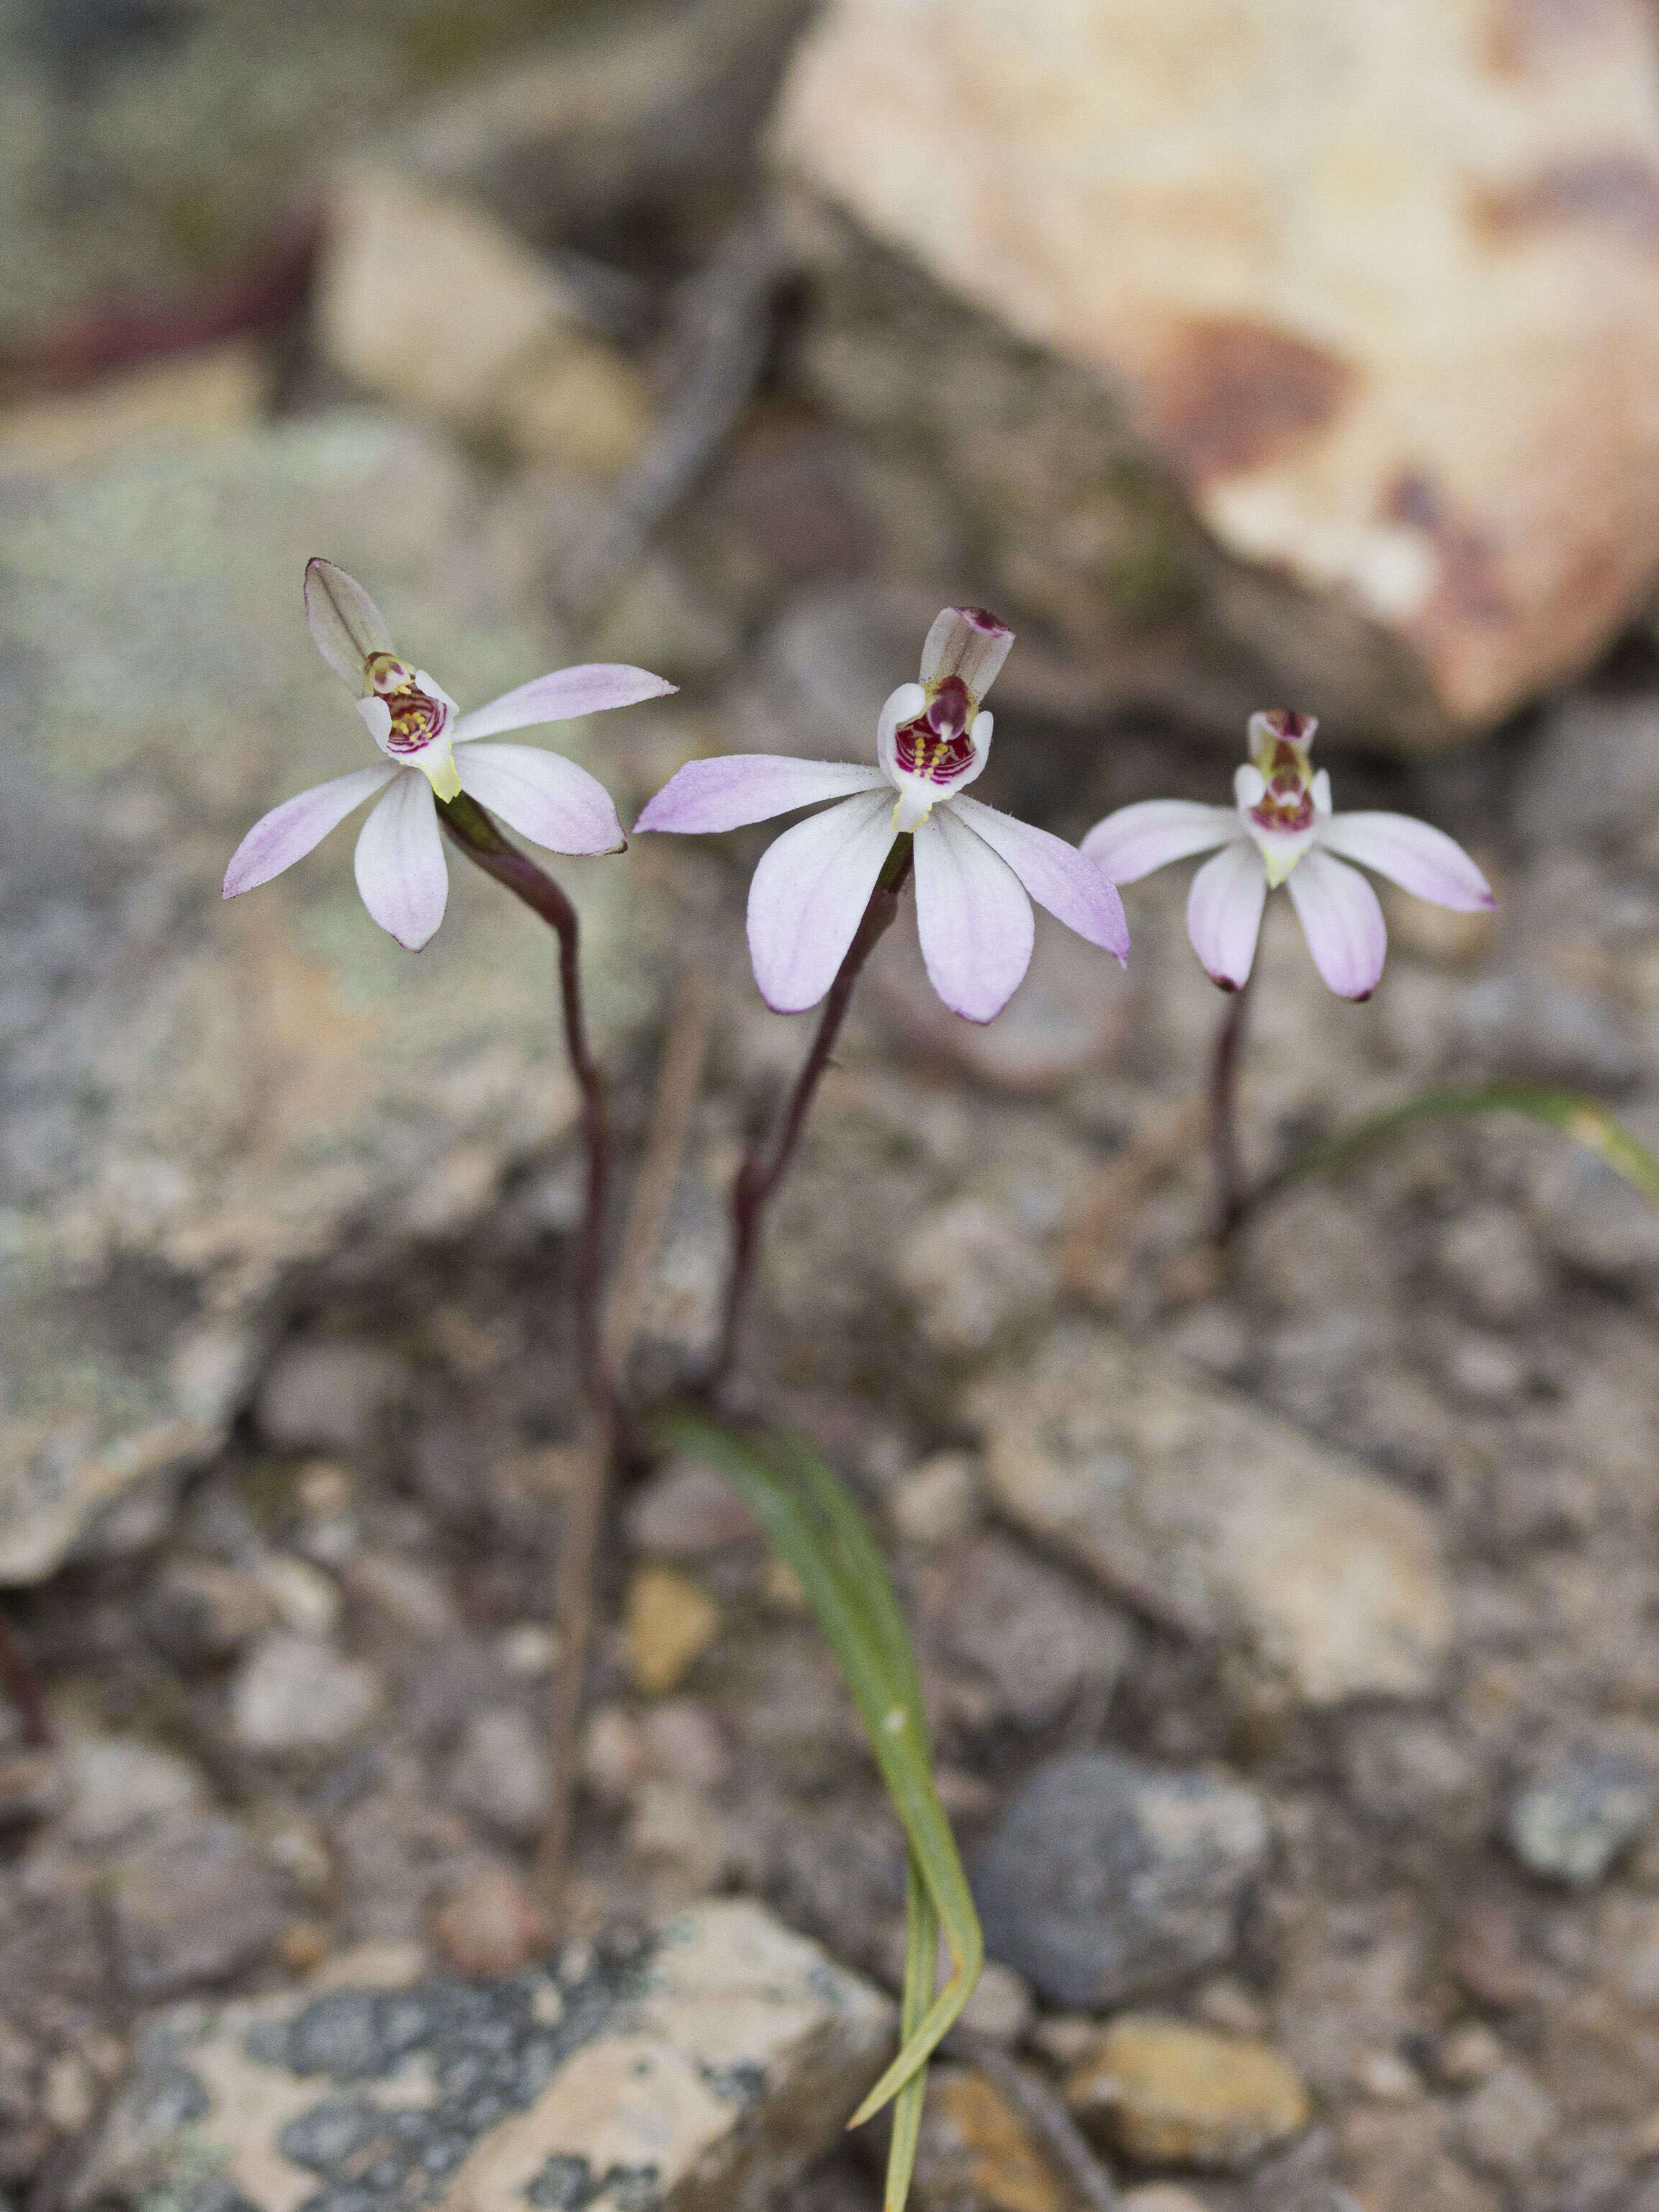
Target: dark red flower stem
<point x="1230" y="1195"/>
<point x="22" y="1684"/>
<point x="765" y="1165"/>
<point x="471" y="830"/>
<point x="582" y="1516"/>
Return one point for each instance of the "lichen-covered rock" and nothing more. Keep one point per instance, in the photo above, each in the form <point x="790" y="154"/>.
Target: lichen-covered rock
<point x="197" y="1097"/>
<point x="1383" y="305"/>
<point x="701" y="2071"/>
<point x="1218" y="1517"/>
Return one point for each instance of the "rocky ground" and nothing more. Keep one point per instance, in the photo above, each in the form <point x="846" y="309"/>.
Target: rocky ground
<point x="1288" y="1620"/>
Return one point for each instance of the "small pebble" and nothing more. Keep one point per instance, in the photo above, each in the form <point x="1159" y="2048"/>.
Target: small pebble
<point x="1066" y="2038"/>
<point x="1572" y="1825"/>
<point x="69" y="2095"/>
<point x="1466" y="2055"/>
<point x="1388" y="2078"/>
<point x="1162" y="2196"/>
<point x="303" y="1946"/>
<point x="306" y="1600"/>
<point x="529" y="1649"/>
<point x="500" y="1772"/>
<point x="295" y="1694"/>
<point x="1001" y="2007"/>
<point x="1508" y="2120"/>
<point x="1487" y="1370"/>
<point x="937" y="1502"/>
<point x="670" y="1621"/>
<point x="1168" y="2094"/>
<point x="490" y="1924"/>
<point x="613" y="1754"/>
<point x="683" y="1743"/>
<point x="1227" y="2004"/>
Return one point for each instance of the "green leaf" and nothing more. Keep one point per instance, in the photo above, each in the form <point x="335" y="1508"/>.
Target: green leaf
<point x="1585" y="1120"/>
<point x="818" y="1528"/>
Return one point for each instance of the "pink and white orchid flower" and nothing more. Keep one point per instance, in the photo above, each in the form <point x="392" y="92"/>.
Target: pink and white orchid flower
<point x="977" y="869"/>
<point x="399" y="862"/>
<point x="1281" y="831"/>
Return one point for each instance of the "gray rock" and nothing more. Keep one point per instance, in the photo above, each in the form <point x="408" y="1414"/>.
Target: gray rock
<point x="192" y="1906"/>
<point x="705" y="2068"/>
<point x="1415" y="1774"/>
<point x="327" y="1397"/>
<point x="200" y="1610"/>
<point x="197" y="1097"/>
<point x="1490" y="1256"/>
<point x="1524" y="1025"/>
<point x="684" y="1511"/>
<point x="1593" y="773"/>
<point x="500" y="1772"/>
<point x="1039" y="1638"/>
<point x="297" y="1695"/>
<point x="1590" y="1218"/>
<point x="1571" y="1824"/>
<point x="1217" y="1517"/>
<point x="1107" y="1879"/>
<point x="118" y="1785"/>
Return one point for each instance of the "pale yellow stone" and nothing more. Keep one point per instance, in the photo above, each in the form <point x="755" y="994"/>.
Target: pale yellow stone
<point x="670" y="1622"/>
<point x="1168" y="2094"/>
<point x="220" y="388"/>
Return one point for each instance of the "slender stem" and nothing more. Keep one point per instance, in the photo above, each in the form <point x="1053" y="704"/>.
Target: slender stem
<point x="471" y="829"/>
<point x="765" y="1166"/>
<point x="22" y="1684"/>
<point x="1230" y="1192"/>
<point x="582" y="1519"/>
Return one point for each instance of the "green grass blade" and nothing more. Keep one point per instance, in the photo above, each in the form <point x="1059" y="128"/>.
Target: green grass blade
<point x="818" y="1528"/>
<point x="1585" y="1120"/>
<point x="920" y="1968"/>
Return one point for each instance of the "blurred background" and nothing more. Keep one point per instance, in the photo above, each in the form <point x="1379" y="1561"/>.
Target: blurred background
<point x="1290" y="1627"/>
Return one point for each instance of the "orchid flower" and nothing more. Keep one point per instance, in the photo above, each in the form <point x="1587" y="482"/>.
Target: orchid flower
<point x="1280" y="830"/>
<point x="977" y="869"/>
<point x="400" y="867"/>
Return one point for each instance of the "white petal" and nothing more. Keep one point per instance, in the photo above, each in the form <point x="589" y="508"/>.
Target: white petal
<point x="1249" y="786"/>
<point x="1342" y="922"/>
<point x="1134" y="840"/>
<point x="400" y="862"/>
<point x="809" y="895"/>
<point x="1223" y="913"/>
<point x="1074" y="889"/>
<point x="377" y="718"/>
<point x="289" y="831"/>
<point x="708" y="795"/>
<point x="972" y="916"/>
<point x="544" y="796"/>
<point x="902" y="706"/>
<point x="345" y="623"/>
<point x="560" y="697"/>
<point x="1413" y="854"/>
<point x="967" y="642"/>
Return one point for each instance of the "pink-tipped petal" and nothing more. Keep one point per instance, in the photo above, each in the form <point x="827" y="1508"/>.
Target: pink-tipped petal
<point x="1412" y="854"/>
<point x="289" y="831"/>
<point x="560" y="697"/>
<point x="544" y="796"/>
<point x="1223" y="913"/>
<point x="400" y="862"/>
<point x="967" y="642"/>
<point x="346" y="625"/>
<point x="808" y="897"/>
<point x="1134" y="840"/>
<point x="708" y="795"/>
<point x="1074" y="889"/>
<point x="972" y="917"/>
<point x="1342" y="922"/>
